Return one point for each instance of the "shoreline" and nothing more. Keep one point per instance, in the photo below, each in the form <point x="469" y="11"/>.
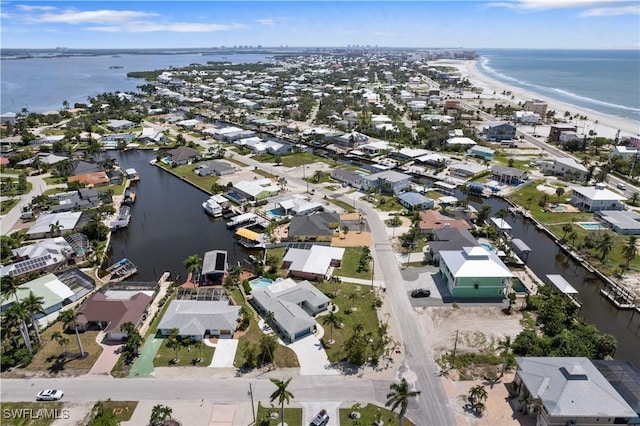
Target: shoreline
<point x="603" y="124"/>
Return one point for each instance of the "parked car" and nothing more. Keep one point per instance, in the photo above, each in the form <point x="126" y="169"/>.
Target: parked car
<point x="622" y="186"/>
<point x="421" y="292"/>
<point x="49" y="395"/>
<point x="321" y="419"/>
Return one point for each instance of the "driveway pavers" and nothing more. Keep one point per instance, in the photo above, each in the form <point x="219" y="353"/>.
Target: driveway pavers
<point x="225" y="353"/>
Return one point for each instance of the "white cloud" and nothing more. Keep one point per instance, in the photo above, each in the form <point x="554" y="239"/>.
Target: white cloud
<point x="595" y="7"/>
<point x="33" y="8"/>
<point x="178" y="27"/>
<point x="92" y="16"/>
<point x="267" y="22"/>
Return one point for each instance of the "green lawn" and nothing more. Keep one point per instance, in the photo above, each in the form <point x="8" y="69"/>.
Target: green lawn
<point x="502" y="158"/>
<point x="187" y="173"/>
<point x="368" y="414"/>
<point x="529" y="197"/>
<point x="349" y="296"/>
<point x="386" y="203"/>
<point x="7" y="205"/>
<point x="49" y="358"/>
<point x="350" y="262"/>
<point x="292" y="416"/>
<point x="284" y="357"/>
<point x="237" y="162"/>
<point x="29" y="418"/>
<point x="186" y="356"/>
<point x="346" y="206"/>
<point x="51" y="191"/>
<point x="122" y="409"/>
<point x="55" y="180"/>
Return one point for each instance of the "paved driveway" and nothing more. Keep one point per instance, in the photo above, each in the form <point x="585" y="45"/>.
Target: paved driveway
<point x="310" y="409"/>
<point x="312" y="357"/>
<point x="225" y="353"/>
<point x="143" y="365"/>
<point x="107" y="359"/>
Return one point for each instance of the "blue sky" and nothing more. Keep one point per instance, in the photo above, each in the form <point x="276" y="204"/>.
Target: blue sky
<point x="581" y="24"/>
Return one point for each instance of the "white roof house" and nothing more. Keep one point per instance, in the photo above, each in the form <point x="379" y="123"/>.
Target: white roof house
<point x="292" y="306"/>
<point x="257" y="188"/>
<point x="571" y="390"/>
<point x="313" y="263"/>
<point x="596" y="198"/>
<point x="624" y="151"/>
<point x="53" y="292"/>
<point x="461" y="141"/>
<point x="67" y="221"/>
<point x="299" y="205"/>
<point x="195" y="318"/>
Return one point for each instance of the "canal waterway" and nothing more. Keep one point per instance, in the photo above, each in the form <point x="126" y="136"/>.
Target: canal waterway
<point x="547" y="258"/>
<point x="168" y="223"/>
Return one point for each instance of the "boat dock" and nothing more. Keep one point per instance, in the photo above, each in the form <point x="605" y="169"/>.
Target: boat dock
<point x="564" y="287"/>
<point x="619" y="296"/>
<point x="132" y="174"/>
<point x="123" y="218"/>
<point x="121" y="270"/>
<point x="244" y="220"/>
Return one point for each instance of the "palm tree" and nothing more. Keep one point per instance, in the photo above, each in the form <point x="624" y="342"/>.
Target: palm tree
<point x="173" y="342"/>
<point x="55" y="228"/>
<point x="633" y="200"/>
<point x="477" y="395"/>
<point x="16" y="315"/>
<point x="566" y="228"/>
<point x="332" y="320"/>
<point x="505" y="345"/>
<point x="357" y="329"/>
<point x="399" y="398"/>
<point x="192" y="263"/>
<point x="352" y="296"/>
<point x="630" y="250"/>
<point x="604" y="245"/>
<point x="559" y="192"/>
<point x="9" y="287"/>
<point x="483" y="214"/>
<point x="69" y="319"/>
<point x="33" y="304"/>
<point x="282" y="395"/>
<point x="317" y="175"/>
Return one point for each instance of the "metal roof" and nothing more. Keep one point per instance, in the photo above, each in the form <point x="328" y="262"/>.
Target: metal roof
<point x="520" y="245"/>
<point x="562" y="284"/>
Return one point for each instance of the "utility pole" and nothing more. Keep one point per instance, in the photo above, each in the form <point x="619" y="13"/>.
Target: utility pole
<point x="453" y="356"/>
<point x="253" y="409"/>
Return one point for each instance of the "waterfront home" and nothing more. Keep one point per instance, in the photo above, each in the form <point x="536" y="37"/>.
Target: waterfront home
<point x="460" y="141"/>
<point x="474" y="272"/>
<point x="292" y="307"/>
<point x="526" y="117"/>
<point x="85" y="198"/>
<point x="448" y="239"/>
<point x="508" y="175"/>
<point x="153" y="136"/>
<point x="351" y="140"/>
<point x="90" y="180"/>
<point x="42" y="256"/>
<point x="199" y="319"/>
<point x="214" y="267"/>
<point x="114" y="140"/>
<point x="81" y="167"/>
<point x="312" y="264"/>
<point x="49" y="224"/>
<point x="536" y="106"/>
<point x="115" y="304"/>
<point x="56" y="291"/>
<point x="434" y="160"/>
<point x="498" y="131"/>
<point x="557" y="129"/>
<point x="299" y="205"/>
<point x="482" y="152"/>
<point x="182" y="155"/>
<point x="214" y="167"/>
<point x="375" y="148"/>
<point x="466" y="170"/>
<point x="316" y="227"/>
<point x="406" y="154"/>
<point x="43" y="158"/>
<point x="622" y="222"/>
<point x="255" y="190"/>
<point x="415" y="201"/>
<point x="430" y="220"/>
<point x="625" y="152"/>
<point x="353" y="179"/>
<point x="8" y="118"/>
<point x="596" y="198"/>
<point x="566" y="167"/>
<point x="120" y="125"/>
<point x="569" y="391"/>
<point x="387" y="182"/>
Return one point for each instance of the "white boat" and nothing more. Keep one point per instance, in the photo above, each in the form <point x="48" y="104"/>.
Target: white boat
<point x="212" y="208"/>
<point x="153" y="162"/>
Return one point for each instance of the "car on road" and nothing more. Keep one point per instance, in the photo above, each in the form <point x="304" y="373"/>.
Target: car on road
<point x="321" y="419"/>
<point x="421" y="292"/>
<point x="621" y="186"/>
<point x="49" y="395"/>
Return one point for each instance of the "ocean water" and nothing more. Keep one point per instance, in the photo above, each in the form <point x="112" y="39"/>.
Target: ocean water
<point x="42" y="84"/>
<point x="606" y="81"/>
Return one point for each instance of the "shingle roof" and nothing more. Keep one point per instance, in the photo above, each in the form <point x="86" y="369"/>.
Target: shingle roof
<point x="115" y="311"/>
<point x="194" y="317"/>
<point x="315" y="224"/>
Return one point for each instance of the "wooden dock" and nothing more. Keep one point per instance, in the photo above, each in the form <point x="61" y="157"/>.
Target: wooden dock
<point x="121" y="270"/>
<point x="619" y="296"/>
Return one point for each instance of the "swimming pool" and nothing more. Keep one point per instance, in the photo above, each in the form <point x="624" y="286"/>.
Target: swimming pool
<point x="518" y="286"/>
<point x="274" y="214"/>
<point x="559" y="208"/>
<point x="260" y="283"/>
<point x="591" y="226"/>
<point x="487" y="246"/>
<point x="235" y="196"/>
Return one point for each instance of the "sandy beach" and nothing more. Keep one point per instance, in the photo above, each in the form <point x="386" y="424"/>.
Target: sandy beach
<point x="603" y="124"/>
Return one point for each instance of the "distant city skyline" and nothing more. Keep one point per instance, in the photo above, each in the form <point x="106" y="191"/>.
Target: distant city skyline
<point x="544" y="24"/>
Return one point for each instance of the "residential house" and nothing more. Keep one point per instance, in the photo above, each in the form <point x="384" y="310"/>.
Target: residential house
<point x="297" y="204"/>
<point x="292" y="306"/>
<point x="120" y="125"/>
<point x="153" y="136"/>
<point x="508" y="175"/>
<point x="200" y="319"/>
<point x="81" y="167"/>
<point x="466" y="170"/>
<point x="526" y="117"/>
<point x="40" y="257"/>
<point x="566" y="167"/>
<point x="315" y="227"/>
<point x="415" y="201"/>
<point x="182" y="155"/>
<point x="8" y="118"/>
<point x="431" y="220"/>
<point x="256" y="190"/>
<point x="312" y="264"/>
<point x="374" y="148"/>
<point x="448" y="239"/>
<point x="115" y="304"/>
<point x="498" y="131"/>
<point x="596" y="198"/>
<point x="51" y="223"/>
<point x="44" y="158"/>
<point x="214" y="167"/>
<point x="351" y="140"/>
<point x="622" y="222"/>
<point x="115" y="140"/>
<point x="387" y="182"/>
<point x="569" y="391"/>
<point x="85" y="198"/>
<point x="91" y="180"/>
<point x="482" y="152"/>
<point x="405" y="154"/>
<point x="625" y="152"/>
<point x="434" y="160"/>
<point x="474" y="272"/>
<point x="460" y="141"/>
<point x="536" y="106"/>
<point x="557" y="129"/>
<point x="353" y="179"/>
